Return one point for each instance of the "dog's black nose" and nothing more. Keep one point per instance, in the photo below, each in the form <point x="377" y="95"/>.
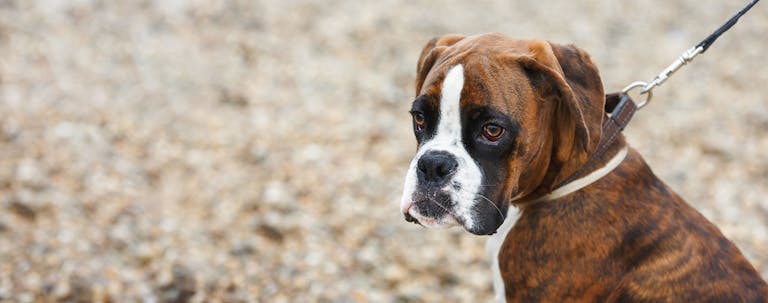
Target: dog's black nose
<point x="437" y="166"/>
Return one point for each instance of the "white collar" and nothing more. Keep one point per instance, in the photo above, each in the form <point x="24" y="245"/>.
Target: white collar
<point x="588" y="179"/>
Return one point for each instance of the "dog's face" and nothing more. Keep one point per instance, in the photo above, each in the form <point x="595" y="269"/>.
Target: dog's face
<point x="496" y="119"/>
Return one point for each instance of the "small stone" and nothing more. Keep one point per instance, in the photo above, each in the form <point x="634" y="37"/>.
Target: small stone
<point x="255" y="153"/>
<point x="278" y="193"/>
<point x="22" y="209"/>
<point x="310" y="154"/>
<point x="180" y="287"/>
<point x="80" y="290"/>
<point x="30" y="174"/>
<point x="242" y="250"/>
<point x="10" y="130"/>
<point x="229" y="97"/>
<point x="270" y="232"/>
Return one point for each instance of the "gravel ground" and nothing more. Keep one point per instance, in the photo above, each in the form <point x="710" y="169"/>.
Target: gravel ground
<point x="254" y="150"/>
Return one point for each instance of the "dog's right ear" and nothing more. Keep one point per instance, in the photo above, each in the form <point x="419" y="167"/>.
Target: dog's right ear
<point x="429" y="55"/>
<point x="565" y="77"/>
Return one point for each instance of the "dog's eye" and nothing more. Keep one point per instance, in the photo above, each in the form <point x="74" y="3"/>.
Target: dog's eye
<point x="492" y="132"/>
<point x="418" y="118"/>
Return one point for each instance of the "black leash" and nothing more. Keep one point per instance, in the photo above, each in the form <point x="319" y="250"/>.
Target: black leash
<point x="704" y="44"/>
<point x="686" y="57"/>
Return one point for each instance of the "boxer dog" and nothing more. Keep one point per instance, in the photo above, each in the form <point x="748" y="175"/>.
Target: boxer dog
<point x="505" y="131"/>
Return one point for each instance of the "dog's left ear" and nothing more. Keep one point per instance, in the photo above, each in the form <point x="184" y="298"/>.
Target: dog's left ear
<point x="565" y="74"/>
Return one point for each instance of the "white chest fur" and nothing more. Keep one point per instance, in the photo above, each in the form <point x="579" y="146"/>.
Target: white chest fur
<point x="492" y="247"/>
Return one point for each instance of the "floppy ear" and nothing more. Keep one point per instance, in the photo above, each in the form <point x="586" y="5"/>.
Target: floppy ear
<point x="429" y="55"/>
<point x="566" y="75"/>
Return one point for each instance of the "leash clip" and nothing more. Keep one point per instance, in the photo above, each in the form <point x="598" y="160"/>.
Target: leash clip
<point x="647" y="87"/>
<point x="682" y="60"/>
<point x="646" y="90"/>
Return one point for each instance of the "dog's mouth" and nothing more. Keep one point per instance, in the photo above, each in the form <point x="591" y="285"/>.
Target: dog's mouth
<point x="431" y="209"/>
<point x="435" y="212"/>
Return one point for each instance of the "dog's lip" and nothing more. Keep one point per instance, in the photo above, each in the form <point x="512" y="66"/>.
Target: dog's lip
<point x="412" y="216"/>
<point x="422" y="220"/>
<point x="407" y="206"/>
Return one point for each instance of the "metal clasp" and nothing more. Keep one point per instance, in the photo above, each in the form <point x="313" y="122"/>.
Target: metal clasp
<point x="645" y="91"/>
<point x="647" y="87"/>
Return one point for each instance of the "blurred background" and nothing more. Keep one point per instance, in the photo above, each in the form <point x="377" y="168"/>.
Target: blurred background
<point x="255" y="150"/>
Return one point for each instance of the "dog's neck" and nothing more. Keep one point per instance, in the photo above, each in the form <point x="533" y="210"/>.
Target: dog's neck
<point x="588" y="179"/>
<point x="593" y="171"/>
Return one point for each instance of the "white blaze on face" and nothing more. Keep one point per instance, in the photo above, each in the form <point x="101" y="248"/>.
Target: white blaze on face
<point x="448" y="138"/>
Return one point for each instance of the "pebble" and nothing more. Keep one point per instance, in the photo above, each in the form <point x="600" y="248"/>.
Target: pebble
<point x="29" y="173"/>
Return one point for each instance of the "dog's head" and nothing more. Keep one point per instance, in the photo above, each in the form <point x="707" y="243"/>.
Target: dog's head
<point x="497" y="119"/>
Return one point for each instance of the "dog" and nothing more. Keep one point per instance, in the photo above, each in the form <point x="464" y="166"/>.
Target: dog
<point x="507" y="132"/>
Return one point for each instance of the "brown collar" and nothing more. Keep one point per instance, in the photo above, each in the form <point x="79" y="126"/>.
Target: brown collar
<point x="619" y="108"/>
